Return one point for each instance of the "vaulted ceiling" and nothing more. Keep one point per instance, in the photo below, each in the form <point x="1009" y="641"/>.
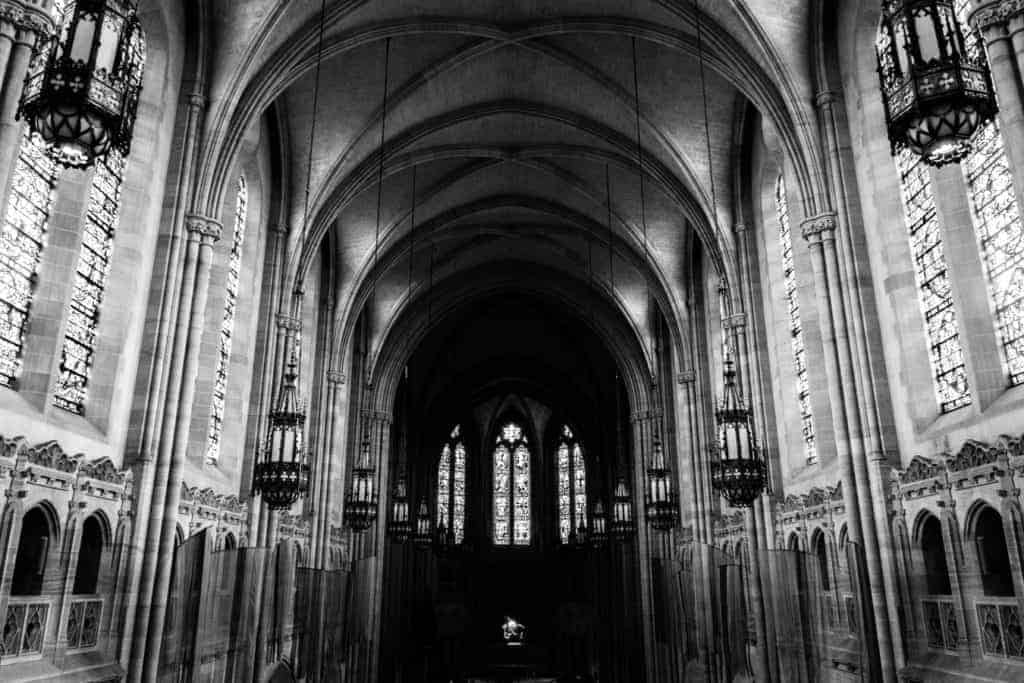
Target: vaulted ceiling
<point x="516" y="121"/>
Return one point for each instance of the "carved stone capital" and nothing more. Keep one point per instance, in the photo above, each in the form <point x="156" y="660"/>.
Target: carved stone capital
<point x="27" y="15"/>
<point x="279" y="228"/>
<point x="687" y="376"/>
<point x="288" y="323"/>
<point x="197" y="100"/>
<point x="203" y="226"/>
<point x="992" y="17"/>
<point x="825" y="98"/>
<point x="736" y="321"/>
<point x="337" y="378"/>
<point x="818" y="227"/>
<point x="740" y="227"/>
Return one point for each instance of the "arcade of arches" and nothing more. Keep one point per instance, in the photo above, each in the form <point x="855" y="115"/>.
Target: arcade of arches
<point x="507" y="244"/>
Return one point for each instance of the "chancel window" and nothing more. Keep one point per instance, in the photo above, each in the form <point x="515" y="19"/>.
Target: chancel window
<point x="511" y="487"/>
<point x="796" y="331"/>
<point x="90" y="279"/>
<point x="227" y="325"/>
<point x="572" y="486"/>
<point x="941" y="326"/>
<point x="21" y="244"/>
<point x="451" y="487"/>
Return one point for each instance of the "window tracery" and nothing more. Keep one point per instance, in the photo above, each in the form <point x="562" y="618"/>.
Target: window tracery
<point x="572" y="485"/>
<point x="451" y="486"/>
<point x="100" y="223"/>
<point x="941" y="325"/>
<point x="796" y="332"/>
<point x="227" y="326"/>
<point x="511" y="487"/>
<point x="22" y="238"/>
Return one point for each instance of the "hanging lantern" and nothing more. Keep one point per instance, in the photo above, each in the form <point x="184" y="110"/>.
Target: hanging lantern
<point x="936" y="86"/>
<point x="361" y="503"/>
<point x="82" y="87"/>
<point x="737" y="470"/>
<point x="424" y="535"/>
<point x="400" y="526"/>
<point x="662" y="511"/>
<point x="598" y="526"/>
<point x="281" y="476"/>
<point x="622" y="511"/>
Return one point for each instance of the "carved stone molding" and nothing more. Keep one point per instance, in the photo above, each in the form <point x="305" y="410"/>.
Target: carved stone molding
<point x="27" y="15"/>
<point x="818" y="226"/>
<point x="204" y="226"/>
<point x="288" y="323"/>
<point x="996" y="14"/>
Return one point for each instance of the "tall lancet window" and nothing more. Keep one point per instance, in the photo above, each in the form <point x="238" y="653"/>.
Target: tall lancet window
<point x="227" y="325"/>
<point x="796" y="330"/>
<point x="998" y="224"/>
<point x="21" y="245"/>
<point x="90" y="278"/>
<point x="451" y="486"/>
<point x="511" y="487"/>
<point x="572" y="485"/>
<point x="941" y="326"/>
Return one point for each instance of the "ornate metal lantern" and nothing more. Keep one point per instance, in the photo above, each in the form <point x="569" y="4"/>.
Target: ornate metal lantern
<point x="622" y="511"/>
<point x="598" y="526"/>
<point x="361" y="502"/>
<point x="661" y="507"/>
<point x="424" y="535"/>
<point x="936" y="86"/>
<point x="82" y="87"/>
<point x="400" y="526"/>
<point x="737" y="470"/>
<point x="281" y="476"/>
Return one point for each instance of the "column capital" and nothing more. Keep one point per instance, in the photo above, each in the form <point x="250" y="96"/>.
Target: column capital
<point x="203" y="226"/>
<point x="288" y="323"/>
<point x="739" y="227"/>
<point x="825" y="98"/>
<point x="197" y="100"/>
<point x="336" y="378"/>
<point x="736" y="321"/>
<point x="27" y="16"/>
<point x="279" y="228"/>
<point x="686" y="377"/>
<point x="818" y="227"/>
<point x="995" y="15"/>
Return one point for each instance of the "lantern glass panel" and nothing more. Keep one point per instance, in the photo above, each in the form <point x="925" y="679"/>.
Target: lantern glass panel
<point x="85" y="31"/>
<point x="927" y="40"/>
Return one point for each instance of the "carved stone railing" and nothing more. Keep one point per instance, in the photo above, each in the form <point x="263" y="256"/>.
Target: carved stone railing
<point x="940" y="622"/>
<point x="1000" y="627"/>
<point x="24" y="627"/>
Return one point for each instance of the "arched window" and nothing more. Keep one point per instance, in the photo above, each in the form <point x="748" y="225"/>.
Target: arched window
<point x="821" y="553"/>
<point x="90" y="553"/>
<point x="21" y="245"/>
<point x="33" y="549"/>
<point x="227" y="325"/>
<point x="933" y="552"/>
<point x="941" y="327"/>
<point x="451" y="486"/>
<point x="90" y="279"/>
<point x="511" y="487"/>
<point x="993" y="558"/>
<point x="796" y="331"/>
<point x="572" y="485"/>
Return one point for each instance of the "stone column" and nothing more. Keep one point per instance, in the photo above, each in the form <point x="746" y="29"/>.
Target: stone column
<point x="336" y="409"/>
<point x="22" y="24"/>
<point x="151" y="474"/>
<point x="819" y="231"/>
<point x="203" y="232"/>
<point x="687" y="464"/>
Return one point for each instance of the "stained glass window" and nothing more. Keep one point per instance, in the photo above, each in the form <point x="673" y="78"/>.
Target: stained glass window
<point x="227" y="325"/>
<point x="511" y="487"/>
<point x="451" y="486"/>
<point x="90" y="278"/>
<point x="21" y="243"/>
<point x="572" y="485"/>
<point x="796" y="330"/>
<point x="941" y="325"/>
<point x="997" y="222"/>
